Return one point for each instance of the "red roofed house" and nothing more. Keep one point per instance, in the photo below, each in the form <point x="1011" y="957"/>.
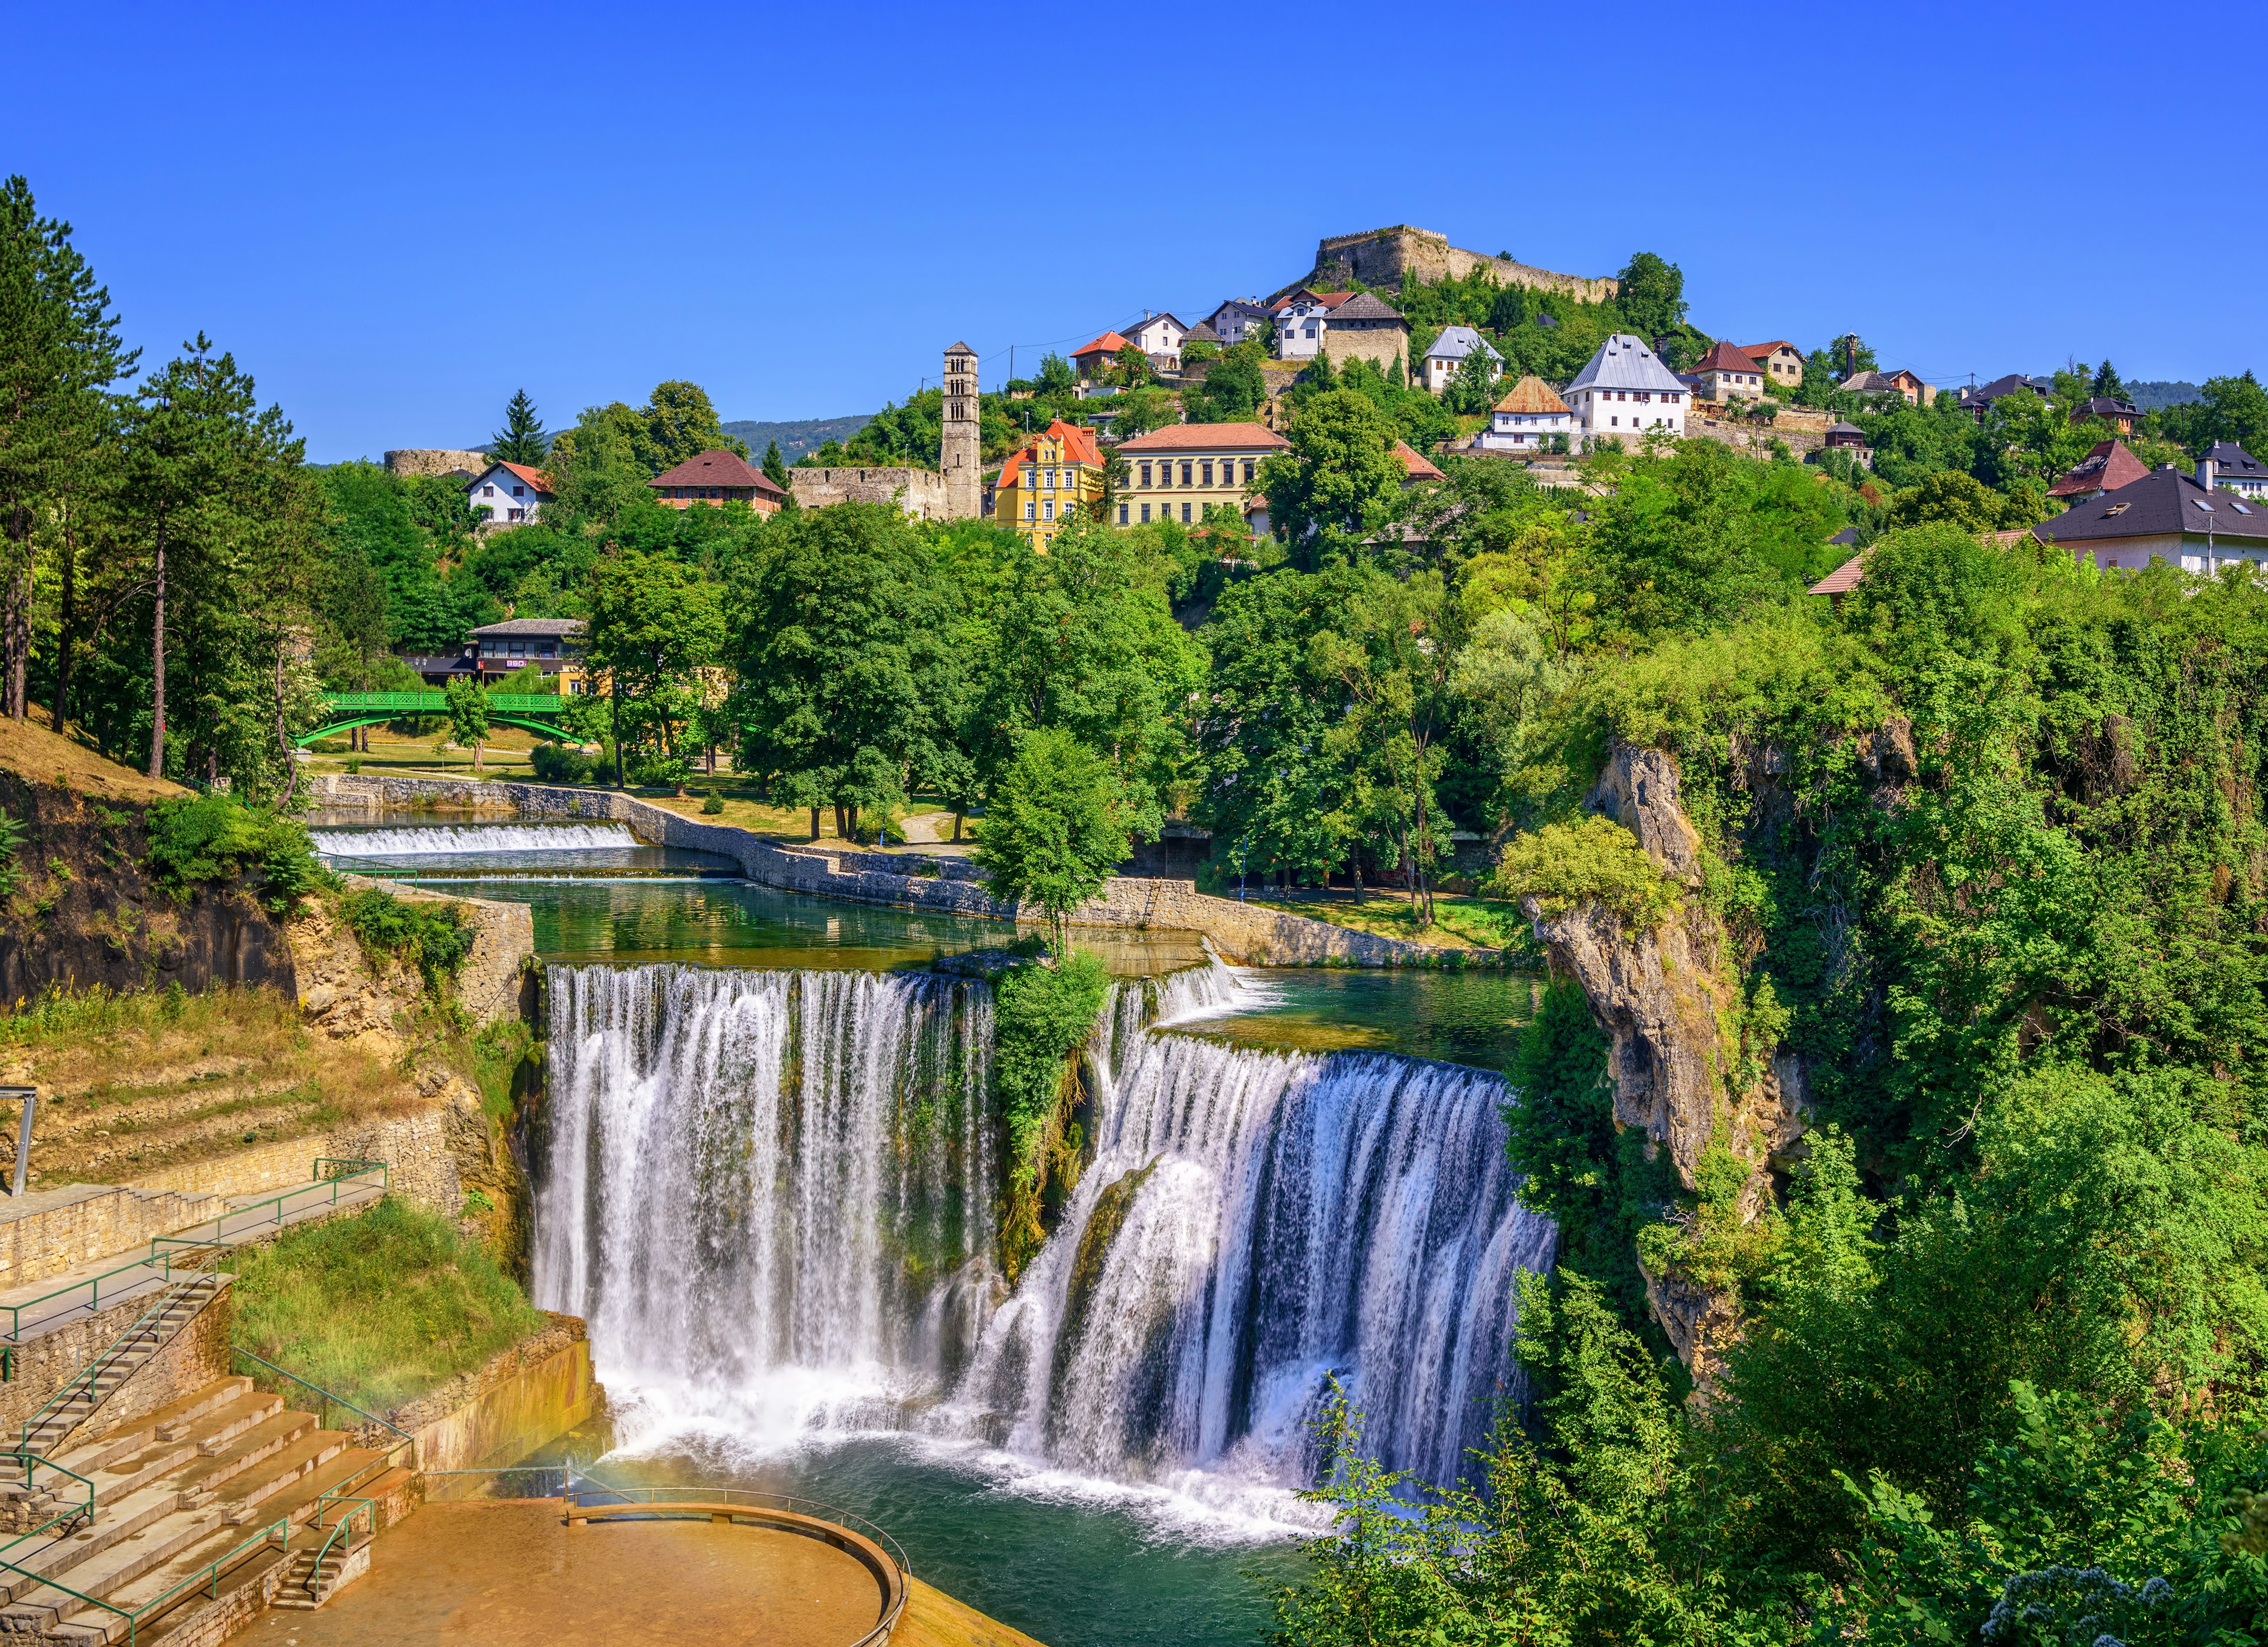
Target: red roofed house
<point x="1043" y="487"/>
<point x="1300" y="317"/>
<point x="1531" y="418"/>
<point x="1416" y="466"/>
<point x="508" y="493"/>
<point x="1725" y="372"/>
<point x="717" y="478"/>
<point x="2105" y="469"/>
<point x="1097" y="357"/>
<point x="1782" y="361"/>
<point x="1178" y="472"/>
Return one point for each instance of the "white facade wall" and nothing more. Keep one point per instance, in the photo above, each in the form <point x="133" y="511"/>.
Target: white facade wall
<point x="1749" y="385"/>
<point x="1523" y="431"/>
<point x="1300" y="329"/>
<point x="1439" y="368"/>
<point x="495" y="494"/>
<point x="1627" y="414"/>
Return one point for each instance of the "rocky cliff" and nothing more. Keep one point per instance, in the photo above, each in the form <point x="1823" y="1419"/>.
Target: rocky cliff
<point x="1669" y="1001"/>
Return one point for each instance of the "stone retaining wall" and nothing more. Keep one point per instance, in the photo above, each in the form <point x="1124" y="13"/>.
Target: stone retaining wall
<point x="1243" y="934"/>
<point x="54" y="1231"/>
<point x="190" y="1359"/>
<point x="497" y="1414"/>
<point x="920" y="493"/>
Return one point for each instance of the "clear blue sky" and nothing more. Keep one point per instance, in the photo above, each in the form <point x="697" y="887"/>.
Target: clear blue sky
<point x="396" y="216"/>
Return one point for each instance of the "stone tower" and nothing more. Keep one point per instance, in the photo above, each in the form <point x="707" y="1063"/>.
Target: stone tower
<point x="961" y="459"/>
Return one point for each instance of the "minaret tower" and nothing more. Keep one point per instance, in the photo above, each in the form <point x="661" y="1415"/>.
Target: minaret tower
<point x="961" y="459"/>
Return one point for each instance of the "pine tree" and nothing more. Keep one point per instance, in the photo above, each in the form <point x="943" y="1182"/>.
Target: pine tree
<point x="2107" y="382"/>
<point x="774" y="466"/>
<point x="523" y="440"/>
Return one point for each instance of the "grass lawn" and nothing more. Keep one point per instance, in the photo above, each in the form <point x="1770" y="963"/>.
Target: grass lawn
<point x="380" y="1307"/>
<point x="1459" y="922"/>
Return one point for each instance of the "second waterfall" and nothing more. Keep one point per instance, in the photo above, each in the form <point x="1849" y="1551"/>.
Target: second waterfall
<point x="773" y="1195"/>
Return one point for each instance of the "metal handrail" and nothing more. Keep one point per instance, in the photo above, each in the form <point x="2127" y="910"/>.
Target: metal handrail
<point x="210" y="1573"/>
<point x="16" y="1311"/>
<point x="25" y="1460"/>
<point x="220" y="1234"/>
<point x="336" y="1401"/>
<point x="93" y="1370"/>
<point x="357" y="1168"/>
<point x="76" y="1595"/>
<point x="345" y="1524"/>
<point x="810" y="1509"/>
<point x="437" y="703"/>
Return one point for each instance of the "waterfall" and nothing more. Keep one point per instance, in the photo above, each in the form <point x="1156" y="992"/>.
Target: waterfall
<point x="768" y="1193"/>
<point x="441" y="838"/>
<point x="772" y="1196"/>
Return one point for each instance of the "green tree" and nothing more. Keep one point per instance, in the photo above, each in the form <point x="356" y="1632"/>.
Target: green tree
<point x="1651" y="294"/>
<point x="469" y="717"/>
<point x="653" y="622"/>
<point x="847" y="674"/>
<point x="60" y="352"/>
<point x="522" y="438"/>
<point x="776" y="467"/>
<point x="2229" y="408"/>
<point x="1054" y="827"/>
<point x="1232" y="390"/>
<point x="1340" y="478"/>
<point x="2106" y="381"/>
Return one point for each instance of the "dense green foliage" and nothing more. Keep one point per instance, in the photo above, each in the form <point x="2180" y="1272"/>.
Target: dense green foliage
<point x="1054" y="830"/>
<point x="203" y="838"/>
<point x="377" y="1308"/>
<point x="434" y="937"/>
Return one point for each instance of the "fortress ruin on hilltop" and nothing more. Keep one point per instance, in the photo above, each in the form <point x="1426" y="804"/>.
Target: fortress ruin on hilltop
<point x="1376" y="257"/>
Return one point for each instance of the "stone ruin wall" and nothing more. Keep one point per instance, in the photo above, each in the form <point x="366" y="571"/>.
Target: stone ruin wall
<point x="434" y="460"/>
<point x="924" y="490"/>
<point x="1376" y="257"/>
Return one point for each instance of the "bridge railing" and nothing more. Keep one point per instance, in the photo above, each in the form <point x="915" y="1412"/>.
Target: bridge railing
<point x="437" y="702"/>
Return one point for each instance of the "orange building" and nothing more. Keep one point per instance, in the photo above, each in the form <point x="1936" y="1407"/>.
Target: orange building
<point x="1044" y="486"/>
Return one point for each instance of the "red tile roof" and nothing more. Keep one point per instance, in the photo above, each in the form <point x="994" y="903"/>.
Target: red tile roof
<point x="2105" y="469"/>
<point x="718" y="467"/>
<point x="1724" y="358"/>
<point x="535" y="478"/>
<point x="1208" y="438"/>
<point x="1078" y="443"/>
<point x="1846" y="578"/>
<point x="1419" y="468"/>
<point x="1764" y="351"/>
<point x="1108" y="343"/>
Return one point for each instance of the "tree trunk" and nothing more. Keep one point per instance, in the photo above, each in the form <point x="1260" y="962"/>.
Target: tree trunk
<point x="842" y="823"/>
<point x="815" y="823"/>
<point x="282" y="737"/>
<point x="19" y="610"/>
<point x="158" y="670"/>
<point x="854" y="821"/>
<point x="66" y="618"/>
<point x="956" y="827"/>
<point x="476" y="754"/>
<point x="614" y="688"/>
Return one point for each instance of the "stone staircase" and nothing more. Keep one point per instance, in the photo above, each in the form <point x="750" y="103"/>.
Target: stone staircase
<point x="177" y="1491"/>
<point x="173" y="1308"/>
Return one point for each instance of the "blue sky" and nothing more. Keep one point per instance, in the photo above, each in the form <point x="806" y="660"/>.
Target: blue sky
<point x="395" y="216"/>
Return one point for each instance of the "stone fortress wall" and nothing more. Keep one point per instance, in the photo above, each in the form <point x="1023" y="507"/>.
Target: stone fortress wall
<point x="411" y="462"/>
<point x="920" y="493"/>
<point x="1377" y="257"/>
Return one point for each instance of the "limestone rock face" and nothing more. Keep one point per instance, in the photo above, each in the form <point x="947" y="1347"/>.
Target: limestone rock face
<point x="1653" y="993"/>
<point x="1668" y="1001"/>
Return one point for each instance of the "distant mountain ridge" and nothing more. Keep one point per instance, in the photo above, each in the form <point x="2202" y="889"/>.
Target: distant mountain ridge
<point x="2150" y="397"/>
<point x="796" y="439"/>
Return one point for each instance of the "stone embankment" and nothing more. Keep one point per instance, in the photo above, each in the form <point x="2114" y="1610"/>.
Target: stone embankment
<point x="502" y="1411"/>
<point x="1243" y="933"/>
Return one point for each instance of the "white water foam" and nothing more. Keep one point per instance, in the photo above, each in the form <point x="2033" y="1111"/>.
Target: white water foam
<point x="772" y="1196"/>
<point x="446" y="838"/>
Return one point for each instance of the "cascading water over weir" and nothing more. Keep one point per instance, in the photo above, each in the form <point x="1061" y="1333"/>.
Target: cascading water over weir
<point x="773" y="1197"/>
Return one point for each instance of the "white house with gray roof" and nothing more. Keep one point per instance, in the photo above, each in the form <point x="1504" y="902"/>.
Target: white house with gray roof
<point x="1448" y="352"/>
<point x="1623" y="391"/>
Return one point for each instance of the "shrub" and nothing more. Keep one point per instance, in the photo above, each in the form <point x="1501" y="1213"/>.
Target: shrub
<point x="565" y="763"/>
<point x="1593" y="860"/>
<point x="377" y="1308"/>
<point x="12" y="836"/>
<point x="659" y="770"/>
<point x="433" y="937"/>
<point x="1040" y="1015"/>
<point x="714" y="805"/>
<point x="215" y="838"/>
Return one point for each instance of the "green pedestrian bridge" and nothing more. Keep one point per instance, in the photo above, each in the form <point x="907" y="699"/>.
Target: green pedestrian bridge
<point x="536" y="711"/>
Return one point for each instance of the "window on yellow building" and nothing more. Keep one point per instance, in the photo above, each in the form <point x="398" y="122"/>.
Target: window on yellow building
<point x="1145" y="481"/>
<point x="1205" y="472"/>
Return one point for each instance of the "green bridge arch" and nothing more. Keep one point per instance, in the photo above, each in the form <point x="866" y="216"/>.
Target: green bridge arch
<point x="351" y="710"/>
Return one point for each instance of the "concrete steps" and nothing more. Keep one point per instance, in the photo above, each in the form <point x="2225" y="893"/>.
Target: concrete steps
<point x="176" y="1491"/>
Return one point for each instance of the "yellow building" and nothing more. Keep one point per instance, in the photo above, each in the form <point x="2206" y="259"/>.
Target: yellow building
<point x="1044" y="487"/>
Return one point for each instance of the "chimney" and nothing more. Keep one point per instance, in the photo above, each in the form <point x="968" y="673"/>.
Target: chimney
<point x="2204" y="474"/>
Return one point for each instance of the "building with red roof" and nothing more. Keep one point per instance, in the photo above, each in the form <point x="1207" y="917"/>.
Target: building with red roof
<point x="1046" y="485"/>
<point x="508" y="493"/>
<point x="1725" y="371"/>
<point x="2109" y="466"/>
<point x="717" y="478"/>
<point x="1179" y="472"/>
<point x="1094" y="359"/>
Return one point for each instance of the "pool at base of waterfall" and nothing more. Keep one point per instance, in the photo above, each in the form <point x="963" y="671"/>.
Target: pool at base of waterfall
<point x="1071" y="1563"/>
